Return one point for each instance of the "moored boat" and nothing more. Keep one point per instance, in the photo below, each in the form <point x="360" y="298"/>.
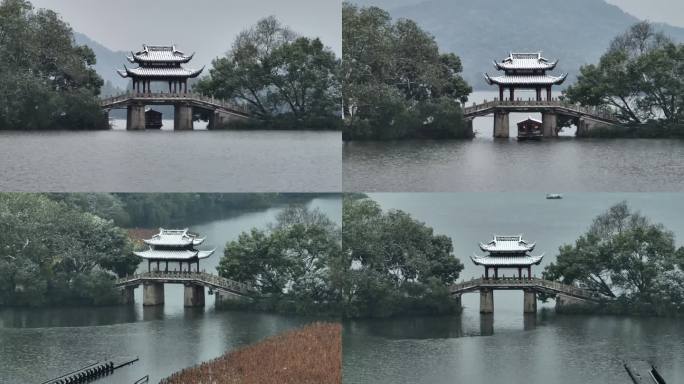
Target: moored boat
<point x="530" y="129"/>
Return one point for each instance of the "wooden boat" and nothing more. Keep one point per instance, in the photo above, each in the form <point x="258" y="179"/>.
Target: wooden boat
<point x="153" y="119"/>
<point x="554" y="196"/>
<point x="530" y="129"/>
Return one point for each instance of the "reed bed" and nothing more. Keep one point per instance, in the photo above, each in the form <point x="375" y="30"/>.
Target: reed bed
<point x="308" y="355"/>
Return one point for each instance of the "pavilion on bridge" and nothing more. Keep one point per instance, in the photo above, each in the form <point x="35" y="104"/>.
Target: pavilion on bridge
<point x="507" y="252"/>
<point x="174" y="246"/>
<point x="525" y="71"/>
<point x="161" y="64"/>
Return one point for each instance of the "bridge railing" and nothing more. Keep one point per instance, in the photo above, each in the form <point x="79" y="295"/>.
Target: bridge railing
<point x="173" y="96"/>
<point x="525" y="282"/>
<point x="217" y="281"/>
<point x="592" y="111"/>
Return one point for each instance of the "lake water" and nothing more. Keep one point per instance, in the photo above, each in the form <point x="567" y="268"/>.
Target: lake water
<point x="38" y="344"/>
<point x="509" y="347"/>
<point x="168" y="161"/>
<point x="484" y="164"/>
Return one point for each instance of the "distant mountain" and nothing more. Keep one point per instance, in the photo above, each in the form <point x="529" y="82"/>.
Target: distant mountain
<point x="576" y="32"/>
<point x="108" y="62"/>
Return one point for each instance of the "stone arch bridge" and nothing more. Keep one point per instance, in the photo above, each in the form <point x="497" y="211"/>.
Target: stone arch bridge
<point x="194" y="282"/>
<point x="584" y="118"/>
<point x="531" y="286"/>
<point x="221" y="112"/>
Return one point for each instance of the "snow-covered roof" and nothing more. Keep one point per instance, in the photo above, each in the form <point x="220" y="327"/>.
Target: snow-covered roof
<point x="525" y="61"/>
<point x="507" y="244"/>
<point x="159" y="54"/>
<point x="529" y="118"/>
<point x="525" y="79"/>
<point x="173" y="255"/>
<point x="160" y="72"/>
<point x="506" y="261"/>
<point x="174" y="238"/>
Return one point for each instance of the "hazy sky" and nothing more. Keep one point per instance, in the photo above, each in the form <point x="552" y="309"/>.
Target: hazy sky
<point x="666" y="11"/>
<point x="206" y="26"/>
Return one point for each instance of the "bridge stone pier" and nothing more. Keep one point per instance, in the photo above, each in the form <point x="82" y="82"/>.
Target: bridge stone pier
<point x="153" y="294"/>
<point x="193" y="295"/>
<point x="501" y="125"/>
<point x="530" y="301"/>
<point x="550" y="124"/>
<point x="135" y="118"/>
<point x="182" y="117"/>
<point x="564" y="303"/>
<point x="587" y="124"/>
<point x="486" y="300"/>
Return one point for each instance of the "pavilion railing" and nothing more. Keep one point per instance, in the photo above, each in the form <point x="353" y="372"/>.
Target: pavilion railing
<point x="175" y="96"/>
<point x="591" y="111"/>
<point x="203" y="277"/>
<point x="531" y="282"/>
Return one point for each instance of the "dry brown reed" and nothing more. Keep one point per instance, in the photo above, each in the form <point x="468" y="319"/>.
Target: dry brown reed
<point x="308" y="355"/>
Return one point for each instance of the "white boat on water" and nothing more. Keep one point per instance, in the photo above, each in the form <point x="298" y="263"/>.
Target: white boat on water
<point x="554" y="196"/>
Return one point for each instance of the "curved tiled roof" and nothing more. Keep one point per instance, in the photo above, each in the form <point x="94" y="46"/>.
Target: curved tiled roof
<point x="526" y="80"/>
<point x="159" y="54"/>
<point x="507" y="261"/>
<point x="525" y="61"/>
<point x="509" y="244"/>
<point x="160" y="72"/>
<point x="174" y="237"/>
<point x="173" y="255"/>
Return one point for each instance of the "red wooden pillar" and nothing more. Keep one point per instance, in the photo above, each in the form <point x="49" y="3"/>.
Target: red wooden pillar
<point x="539" y="94"/>
<point x="496" y="273"/>
<point x="548" y="93"/>
<point x="487" y="273"/>
<point x="501" y="92"/>
<point x="512" y="93"/>
<point x="520" y="272"/>
<point x="529" y="272"/>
